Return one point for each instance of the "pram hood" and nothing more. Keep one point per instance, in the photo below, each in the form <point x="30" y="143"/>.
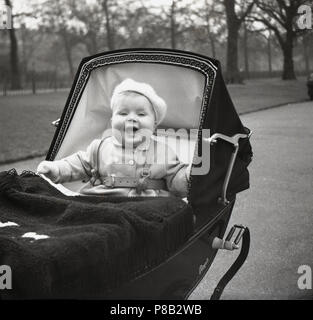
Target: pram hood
<point x="193" y="88"/>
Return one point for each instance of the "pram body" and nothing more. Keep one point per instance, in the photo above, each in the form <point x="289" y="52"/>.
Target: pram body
<point x="197" y="98"/>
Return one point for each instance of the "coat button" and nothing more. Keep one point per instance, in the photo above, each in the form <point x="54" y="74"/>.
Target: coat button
<point x="131" y="162"/>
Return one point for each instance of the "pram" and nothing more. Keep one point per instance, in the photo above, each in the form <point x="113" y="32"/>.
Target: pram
<point x="216" y="142"/>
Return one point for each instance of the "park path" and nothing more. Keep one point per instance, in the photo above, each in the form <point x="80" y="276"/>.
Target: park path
<point x="277" y="208"/>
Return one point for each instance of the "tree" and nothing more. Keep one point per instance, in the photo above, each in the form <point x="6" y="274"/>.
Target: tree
<point x="246" y="49"/>
<point x="173" y="24"/>
<point x="57" y="18"/>
<point x="108" y="24"/>
<point x="307" y="40"/>
<point x="176" y="15"/>
<point x="279" y="16"/>
<point x="210" y="25"/>
<point x="141" y="26"/>
<point x="30" y="40"/>
<point x="14" y="60"/>
<point x="234" y="21"/>
<point x="103" y="22"/>
<point x="267" y="35"/>
<point x="90" y="20"/>
<point x="260" y="35"/>
<point x="175" y="20"/>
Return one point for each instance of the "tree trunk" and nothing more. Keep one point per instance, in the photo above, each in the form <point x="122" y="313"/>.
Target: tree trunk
<point x="306" y="55"/>
<point x="15" y="71"/>
<point x="246" y="51"/>
<point x="233" y="75"/>
<point x="14" y="61"/>
<point x="233" y="25"/>
<point x="173" y="26"/>
<point x="213" y="46"/>
<point x="269" y="55"/>
<point x="91" y="43"/>
<point x="24" y="59"/>
<point x="209" y="9"/>
<point x="288" y="71"/>
<point x="33" y="76"/>
<point x="68" y="52"/>
<point x="55" y="63"/>
<point x="110" y="35"/>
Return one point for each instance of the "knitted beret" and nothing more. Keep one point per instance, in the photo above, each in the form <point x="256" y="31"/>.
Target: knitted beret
<point x="144" y="89"/>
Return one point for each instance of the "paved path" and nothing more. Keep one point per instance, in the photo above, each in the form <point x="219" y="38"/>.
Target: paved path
<point x="278" y="208"/>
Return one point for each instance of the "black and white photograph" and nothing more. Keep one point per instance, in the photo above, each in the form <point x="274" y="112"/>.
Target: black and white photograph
<point x="157" y="150"/>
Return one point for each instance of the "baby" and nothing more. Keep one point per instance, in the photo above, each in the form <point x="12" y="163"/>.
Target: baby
<point x="129" y="161"/>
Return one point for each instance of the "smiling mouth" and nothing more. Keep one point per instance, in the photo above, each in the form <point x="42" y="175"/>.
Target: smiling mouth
<point x="131" y="130"/>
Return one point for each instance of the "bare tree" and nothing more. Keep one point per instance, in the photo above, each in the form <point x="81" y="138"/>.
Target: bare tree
<point x="108" y="24"/>
<point x="246" y="49"/>
<point x="270" y="44"/>
<point x="269" y="52"/>
<point x="114" y="24"/>
<point x="234" y="21"/>
<point x="14" y="59"/>
<point x="56" y="17"/>
<point x="175" y="30"/>
<point x="173" y="24"/>
<point x="30" y="40"/>
<point x="209" y="28"/>
<point x="307" y="47"/>
<point x="212" y="17"/>
<point x="91" y="18"/>
<point x="177" y="16"/>
<point x="279" y="16"/>
<point x="139" y="26"/>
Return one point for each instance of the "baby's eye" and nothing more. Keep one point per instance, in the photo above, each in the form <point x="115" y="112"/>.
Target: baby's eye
<point x="141" y="114"/>
<point x="123" y="113"/>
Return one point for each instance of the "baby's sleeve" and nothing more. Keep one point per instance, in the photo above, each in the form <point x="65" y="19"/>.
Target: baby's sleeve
<point x="177" y="175"/>
<point x="78" y="166"/>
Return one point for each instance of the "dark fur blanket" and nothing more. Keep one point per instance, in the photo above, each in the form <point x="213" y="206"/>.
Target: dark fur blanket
<point x="94" y="244"/>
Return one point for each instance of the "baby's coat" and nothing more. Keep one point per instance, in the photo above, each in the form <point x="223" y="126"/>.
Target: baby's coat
<point x="110" y="158"/>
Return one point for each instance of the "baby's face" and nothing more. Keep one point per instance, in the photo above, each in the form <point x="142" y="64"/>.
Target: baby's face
<point x="133" y="118"/>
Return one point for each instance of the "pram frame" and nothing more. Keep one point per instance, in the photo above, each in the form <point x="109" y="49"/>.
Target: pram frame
<point x="185" y="278"/>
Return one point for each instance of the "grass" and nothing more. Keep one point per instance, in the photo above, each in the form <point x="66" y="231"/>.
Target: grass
<point x="259" y="94"/>
<point x="25" y="124"/>
<point x="25" y="121"/>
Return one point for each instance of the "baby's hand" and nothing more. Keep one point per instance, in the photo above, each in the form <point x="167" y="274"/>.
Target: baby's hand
<point x="50" y="170"/>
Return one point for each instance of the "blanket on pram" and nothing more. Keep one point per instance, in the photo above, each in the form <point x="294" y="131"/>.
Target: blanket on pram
<point x="82" y="247"/>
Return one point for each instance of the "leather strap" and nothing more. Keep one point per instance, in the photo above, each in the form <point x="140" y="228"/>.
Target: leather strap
<point x="234" y="267"/>
<point x="129" y="182"/>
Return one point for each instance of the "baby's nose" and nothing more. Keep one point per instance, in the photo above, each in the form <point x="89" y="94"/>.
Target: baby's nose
<point x="132" y="117"/>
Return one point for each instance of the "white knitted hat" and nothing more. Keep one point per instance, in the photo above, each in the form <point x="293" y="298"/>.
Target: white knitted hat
<point x="146" y="90"/>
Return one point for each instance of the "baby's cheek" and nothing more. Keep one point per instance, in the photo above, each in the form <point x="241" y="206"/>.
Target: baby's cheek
<point x="118" y="125"/>
<point x="116" y="120"/>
